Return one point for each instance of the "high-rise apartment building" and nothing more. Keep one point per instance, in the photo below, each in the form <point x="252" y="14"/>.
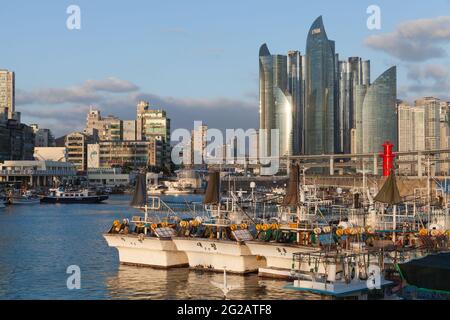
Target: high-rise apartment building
<point x="321" y="85"/>
<point x="352" y="73"/>
<point x="375" y="113"/>
<point x="276" y="109"/>
<point x="7" y="95"/>
<point x="154" y="124"/>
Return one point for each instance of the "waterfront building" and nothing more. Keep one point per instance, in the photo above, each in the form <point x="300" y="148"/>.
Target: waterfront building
<point x="107" y="177"/>
<point x="7" y="95"/>
<point x="77" y="144"/>
<point x="37" y="173"/>
<point x="321" y="103"/>
<point x="50" y="154"/>
<point x="16" y="140"/>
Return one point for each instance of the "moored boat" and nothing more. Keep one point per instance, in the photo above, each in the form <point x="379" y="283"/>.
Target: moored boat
<point x="78" y="196"/>
<point x="150" y="243"/>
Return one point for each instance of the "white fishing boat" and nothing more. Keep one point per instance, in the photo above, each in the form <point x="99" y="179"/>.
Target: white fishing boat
<point x="150" y="243"/>
<point x="338" y="274"/>
<point x="222" y="244"/>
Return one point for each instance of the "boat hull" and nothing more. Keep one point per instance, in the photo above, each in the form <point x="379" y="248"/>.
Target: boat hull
<point x="89" y="199"/>
<point x="278" y="257"/>
<point x="217" y="255"/>
<point x="24" y="201"/>
<point x="147" y="251"/>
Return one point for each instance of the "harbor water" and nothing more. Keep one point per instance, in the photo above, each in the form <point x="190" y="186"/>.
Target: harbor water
<point x="39" y="242"/>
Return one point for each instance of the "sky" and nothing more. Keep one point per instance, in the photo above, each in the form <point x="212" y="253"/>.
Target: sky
<point x="198" y="59"/>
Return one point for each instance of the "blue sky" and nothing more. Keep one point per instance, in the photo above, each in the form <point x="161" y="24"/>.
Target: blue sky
<point x="198" y="59"/>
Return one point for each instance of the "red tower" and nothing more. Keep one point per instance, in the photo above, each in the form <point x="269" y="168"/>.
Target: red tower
<point x="388" y="158"/>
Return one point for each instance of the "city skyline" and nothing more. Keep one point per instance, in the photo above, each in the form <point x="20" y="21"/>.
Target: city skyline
<point x="68" y="86"/>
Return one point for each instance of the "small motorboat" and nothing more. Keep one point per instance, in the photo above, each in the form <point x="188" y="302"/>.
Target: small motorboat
<point x="25" y="198"/>
<point x="77" y="196"/>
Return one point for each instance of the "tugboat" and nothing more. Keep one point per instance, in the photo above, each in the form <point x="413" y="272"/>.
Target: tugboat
<point x="78" y="196"/>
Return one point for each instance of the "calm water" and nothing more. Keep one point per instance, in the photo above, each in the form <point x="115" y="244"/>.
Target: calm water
<point x="39" y="242"/>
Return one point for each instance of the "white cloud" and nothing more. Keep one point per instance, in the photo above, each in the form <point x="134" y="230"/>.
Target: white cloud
<point x="417" y="40"/>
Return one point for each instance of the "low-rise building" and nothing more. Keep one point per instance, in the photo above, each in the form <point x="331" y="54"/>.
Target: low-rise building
<point x="107" y="177"/>
<point x="37" y="173"/>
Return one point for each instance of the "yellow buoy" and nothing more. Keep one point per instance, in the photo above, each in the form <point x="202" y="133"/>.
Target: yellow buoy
<point x="348" y="231"/>
<point x="274" y="226"/>
<point x="154" y="226"/>
<point x="423" y="232"/>
<point x="317" y="231"/>
<point x="258" y="227"/>
<point x="339" y="232"/>
<point x="243" y="226"/>
<point x="265" y="227"/>
<point x="233" y="227"/>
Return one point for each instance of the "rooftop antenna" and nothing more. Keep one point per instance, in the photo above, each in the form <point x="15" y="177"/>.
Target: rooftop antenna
<point x="225" y="287"/>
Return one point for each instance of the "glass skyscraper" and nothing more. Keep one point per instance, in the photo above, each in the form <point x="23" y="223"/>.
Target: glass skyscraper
<point x="276" y="110"/>
<point x="352" y="73"/>
<point x="379" y="118"/>
<point x="320" y="91"/>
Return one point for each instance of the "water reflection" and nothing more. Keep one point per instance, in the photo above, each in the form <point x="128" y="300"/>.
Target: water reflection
<point x="146" y="283"/>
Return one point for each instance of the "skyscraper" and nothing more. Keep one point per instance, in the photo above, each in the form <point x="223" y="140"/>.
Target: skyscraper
<point x="320" y="91"/>
<point x="295" y="89"/>
<point x="379" y="118"/>
<point x="353" y="72"/>
<point x="275" y="107"/>
<point x="7" y="95"/>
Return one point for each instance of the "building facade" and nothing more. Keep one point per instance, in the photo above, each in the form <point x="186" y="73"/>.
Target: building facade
<point x="276" y="109"/>
<point x="132" y="154"/>
<point x="352" y="73"/>
<point x="43" y="137"/>
<point x="376" y="111"/>
<point x="321" y="104"/>
<point x="7" y="95"/>
<point x="77" y="145"/>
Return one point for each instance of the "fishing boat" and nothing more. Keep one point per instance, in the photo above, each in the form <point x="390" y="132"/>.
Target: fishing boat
<point x="218" y="244"/>
<point x="149" y="243"/>
<point x="78" y="196"/>
<point x="431" y="273"/>
<point x="299" y="227"/>
<point x="338" y="274"/>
